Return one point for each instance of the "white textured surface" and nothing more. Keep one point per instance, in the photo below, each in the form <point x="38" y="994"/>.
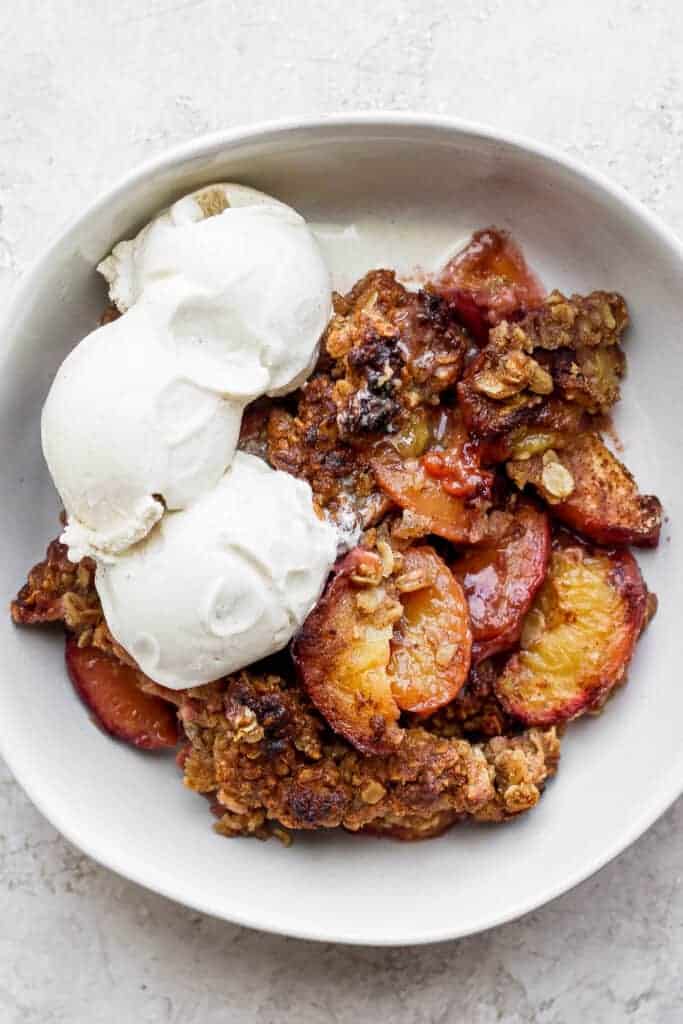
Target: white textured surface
<point x="87" y="89"/>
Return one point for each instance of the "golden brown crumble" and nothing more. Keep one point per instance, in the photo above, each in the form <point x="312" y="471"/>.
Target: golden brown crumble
<point x="290" y="769"/>
<point x="567" y="347"/>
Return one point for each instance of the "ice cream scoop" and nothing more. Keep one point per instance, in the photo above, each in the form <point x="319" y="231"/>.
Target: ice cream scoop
<point x="222" y="583"/>
<point x="225" y="296"/>
<point x="207" y="559"/>
<point x="127" y="433"/>
<point x="245" y="284"/>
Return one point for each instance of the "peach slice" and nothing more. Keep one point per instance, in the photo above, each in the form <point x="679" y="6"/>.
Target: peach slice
<point x="446" y="486"/>
<point x="343" y="651"/>
<point x="432" y="641"/>
<point x="488" y="281"/>
<point x="501" y="576"/>
<point x="111" y="691"/>
<point x="578" y="637"/>
<point x="591" y="491"/>
<point x="376" y="645"/>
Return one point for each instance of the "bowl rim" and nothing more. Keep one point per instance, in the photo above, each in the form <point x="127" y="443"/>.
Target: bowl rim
<point x="207" y="145"/>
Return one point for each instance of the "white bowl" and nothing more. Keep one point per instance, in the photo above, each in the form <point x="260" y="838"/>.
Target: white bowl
<point x="414" y="184"/>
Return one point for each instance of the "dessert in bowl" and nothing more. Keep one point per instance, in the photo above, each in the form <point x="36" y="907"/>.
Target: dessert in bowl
<point x="402" y="566"/>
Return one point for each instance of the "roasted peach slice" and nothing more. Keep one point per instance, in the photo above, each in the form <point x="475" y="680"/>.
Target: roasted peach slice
<point x="432" y="641"/>
<point x="343" y="651"/>
<point x="488" y="281"/>
<point x="407" y="482"/>
<point x="591" y="491"/>
<point x="500" y="577"/>
<point x="578" y="637"/>
<point x="112" y="692"/>
<point x="376" y="645"/>
<point x="445" y="486"/>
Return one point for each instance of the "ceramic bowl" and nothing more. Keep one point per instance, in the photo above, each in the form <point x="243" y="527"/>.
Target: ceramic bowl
<point x="397" y="190"/>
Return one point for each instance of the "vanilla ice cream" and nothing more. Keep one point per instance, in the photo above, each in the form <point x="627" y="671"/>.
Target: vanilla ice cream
<point x="207" y="559"/>
<point x="127" y="432"/>
<point x="244" y="282"/>
<point x="223" y="583"/>
<point x="225" y="297"/>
